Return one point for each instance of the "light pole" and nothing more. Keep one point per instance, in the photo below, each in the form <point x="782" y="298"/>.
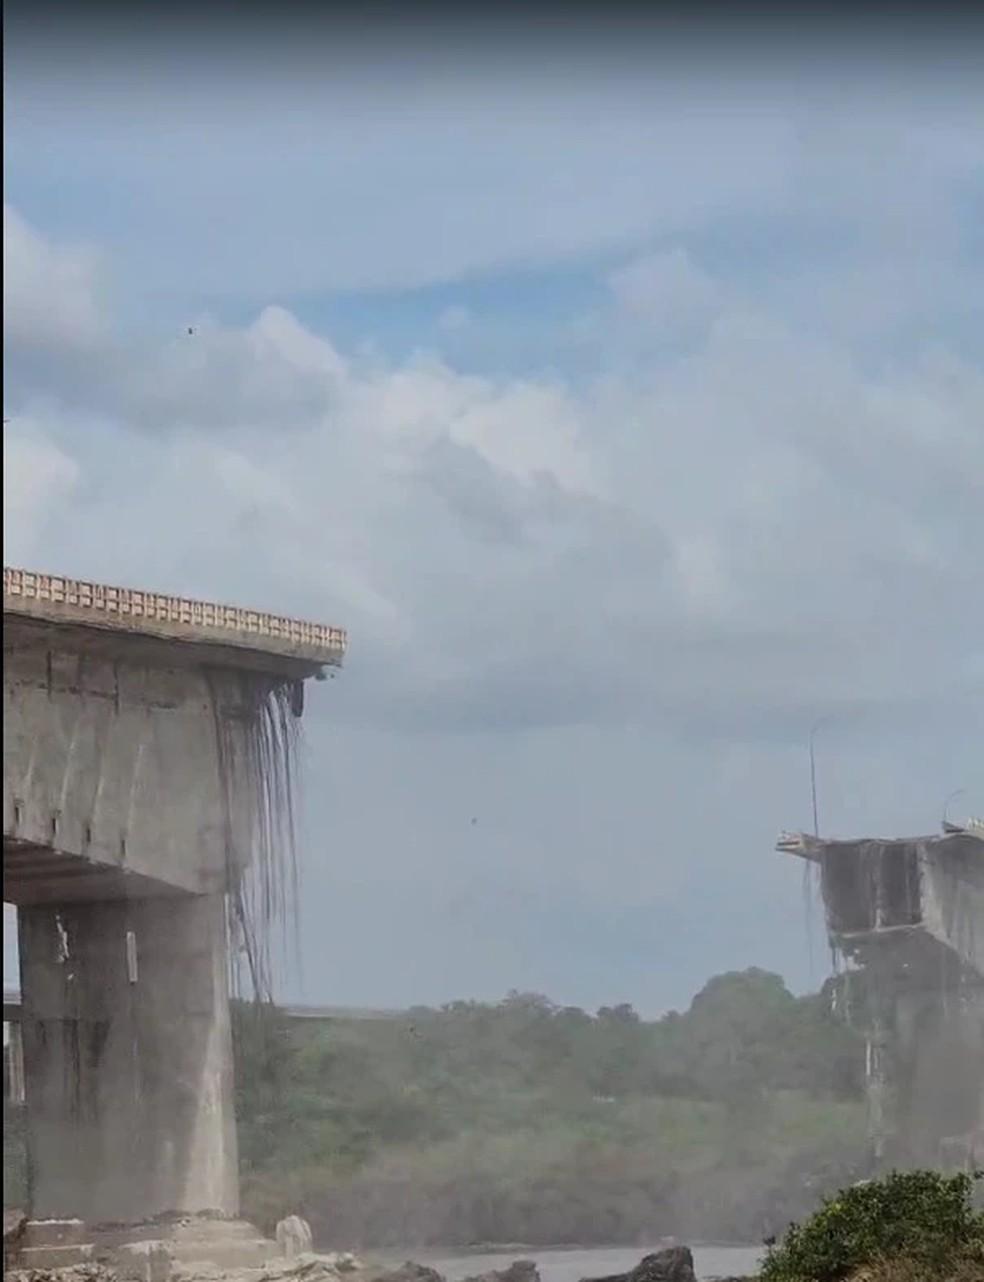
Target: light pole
<point x="957" y="792"/>
<point x="813" y="773"/>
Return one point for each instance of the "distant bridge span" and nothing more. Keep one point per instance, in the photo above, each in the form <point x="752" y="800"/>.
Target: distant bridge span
<point x="908" y="916"/>
<point x="364" y="1014"/>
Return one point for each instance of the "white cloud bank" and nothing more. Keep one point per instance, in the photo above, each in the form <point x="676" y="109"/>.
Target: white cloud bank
<point x="50" y="291"/>
<point x="752" y="529"/>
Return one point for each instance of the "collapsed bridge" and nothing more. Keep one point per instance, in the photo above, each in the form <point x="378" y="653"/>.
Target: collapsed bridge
<point x="146" y="838"/>
<point x="905" y="918"/>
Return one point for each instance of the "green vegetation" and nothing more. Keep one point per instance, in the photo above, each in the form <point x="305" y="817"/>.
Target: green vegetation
<point x="917" y="1225"/>
<point x="525" y="1121"/>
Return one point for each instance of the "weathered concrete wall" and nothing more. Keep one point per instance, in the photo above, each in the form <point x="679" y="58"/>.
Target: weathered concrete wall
<point x="128" y="1058"/>
<point x="933" y="884"/>
<point x="953" y="898"/>
<point x="116" y="762"/>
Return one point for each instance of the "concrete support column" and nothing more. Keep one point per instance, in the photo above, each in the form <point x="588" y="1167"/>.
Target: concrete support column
<point x="128" y="1059"/>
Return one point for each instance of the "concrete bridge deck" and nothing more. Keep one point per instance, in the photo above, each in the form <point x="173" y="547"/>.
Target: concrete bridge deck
<point x="164" y="624"/>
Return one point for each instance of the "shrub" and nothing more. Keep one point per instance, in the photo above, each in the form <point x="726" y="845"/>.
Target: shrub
<point x="921" y="1218"/>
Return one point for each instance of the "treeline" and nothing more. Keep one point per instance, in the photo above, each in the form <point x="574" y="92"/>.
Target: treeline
<point x="529" y="1122"/>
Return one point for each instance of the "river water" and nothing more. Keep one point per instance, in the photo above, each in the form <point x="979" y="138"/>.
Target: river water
<point x="573" y="1264"/>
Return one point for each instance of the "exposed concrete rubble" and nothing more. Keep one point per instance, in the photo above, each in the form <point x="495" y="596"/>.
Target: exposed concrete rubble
<point x="121" y="1264"/>
<point x="309" y="1267"/>
<point x="293" y="1236"/>
<point x="171" y="1247"/>
<point x="152" y="1261"/>
<point x="14" y="1221"/>
<point x="88" y="1272"/>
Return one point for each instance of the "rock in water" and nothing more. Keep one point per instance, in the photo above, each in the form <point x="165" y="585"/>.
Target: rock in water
<point x="518" y="1271"/>
<point x="410" y="1272"/>
<point x="293" y="1237"/>
<point x="675" y="1264"/>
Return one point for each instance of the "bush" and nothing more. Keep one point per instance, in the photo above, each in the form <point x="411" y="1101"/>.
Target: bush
<point x="921" y="1219"/>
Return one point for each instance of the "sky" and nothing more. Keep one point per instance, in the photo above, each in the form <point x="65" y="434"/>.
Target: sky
<point x="623" y="397"/>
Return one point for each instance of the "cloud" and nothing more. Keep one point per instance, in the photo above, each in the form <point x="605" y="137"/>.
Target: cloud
<point x="50" y="291"/>
<point x="665" y="295"/>
<point x="39" y="480"/>
<point x="385" y="175"/>
<point x="750" y="531"/>
<point x="454" y="318"/>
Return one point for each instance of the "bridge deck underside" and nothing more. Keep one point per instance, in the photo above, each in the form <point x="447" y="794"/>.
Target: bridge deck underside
<point x="34" y="874"/>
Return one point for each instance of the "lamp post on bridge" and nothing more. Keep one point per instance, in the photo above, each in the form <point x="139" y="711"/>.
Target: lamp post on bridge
<point x="957" y="792"/>
<point x="813" y="772"/>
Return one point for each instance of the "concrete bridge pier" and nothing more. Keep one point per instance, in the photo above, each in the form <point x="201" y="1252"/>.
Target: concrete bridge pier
<point x="147" y="758"/>
<point x="128" y="1059"/>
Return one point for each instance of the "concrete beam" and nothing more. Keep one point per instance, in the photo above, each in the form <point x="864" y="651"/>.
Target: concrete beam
<point x="117" y="764"/>
<point x="37" y="875"/>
